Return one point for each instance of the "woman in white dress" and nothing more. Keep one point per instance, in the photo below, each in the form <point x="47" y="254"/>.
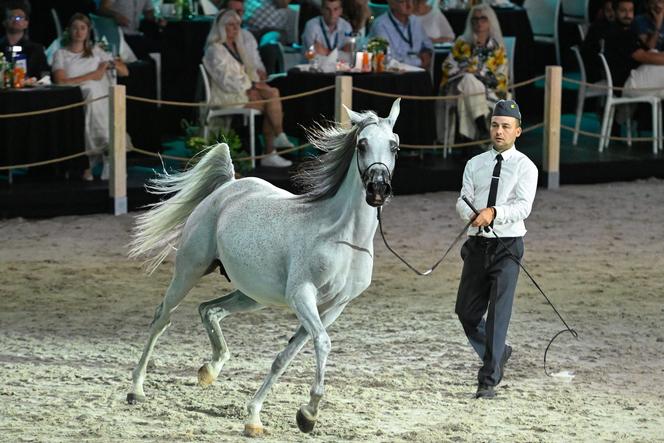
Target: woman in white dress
<point x="234" y="80"/>
<point x="83" y="64"/>
<point x="433" y="21"/>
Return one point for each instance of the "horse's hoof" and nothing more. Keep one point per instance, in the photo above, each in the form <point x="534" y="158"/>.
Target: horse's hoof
<point x="304" y="423"/>
<point x="205" y="377"/>
<point x="132" y="398"/>
<point x="251" y="430"/>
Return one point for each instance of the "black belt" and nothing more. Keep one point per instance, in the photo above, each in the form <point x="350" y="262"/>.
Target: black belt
<point x="489" y="240"/>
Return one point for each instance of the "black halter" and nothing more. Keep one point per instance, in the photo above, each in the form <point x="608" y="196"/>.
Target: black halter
<point x="364" y="175"/>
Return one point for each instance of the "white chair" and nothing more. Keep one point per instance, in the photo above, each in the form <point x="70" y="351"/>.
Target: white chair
<point x="293" y="34"/>
<point x="609" y="111"/>
<point x="208" y="8"/>
<point x="248" y="114"/>
<point x="585" y="92"/>
<point x="543" y="18"/>
<point x="583" y="30"/>
<point x="575" y="11"/>
<point x="510" y="46"/>
<point x="56" y="23"/>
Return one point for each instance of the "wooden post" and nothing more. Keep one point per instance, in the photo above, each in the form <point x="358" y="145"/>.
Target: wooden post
<point x="343" y="95"/>
<point x="552" y="110"/>
<point x="118" y="142"/>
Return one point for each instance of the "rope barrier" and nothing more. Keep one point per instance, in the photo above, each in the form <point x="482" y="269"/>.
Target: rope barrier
<point x="605" y="86"/>
<point x="56" y="109"/>
<point x="42" y="163"/>
<point x="229" y="105"/>
<point x="466" y="144"/>
<point x="613" y="137"/>
<point x="255" y="157"/>
<point x="438" y="97"/>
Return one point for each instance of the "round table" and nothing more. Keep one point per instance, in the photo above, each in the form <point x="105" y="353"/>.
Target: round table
<point x="46" y="136"/>
<point x="416" y="122"/>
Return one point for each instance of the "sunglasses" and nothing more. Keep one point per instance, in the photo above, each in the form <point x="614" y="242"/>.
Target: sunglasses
<point x="17" y="18"/>
<point x="479" y="19"/>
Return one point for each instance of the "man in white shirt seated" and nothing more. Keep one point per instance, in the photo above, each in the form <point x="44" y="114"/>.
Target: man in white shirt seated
<point x="408" y="42"/>
<point x="329" y="31"/>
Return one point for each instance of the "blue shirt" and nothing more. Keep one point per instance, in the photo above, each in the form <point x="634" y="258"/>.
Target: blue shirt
<point x="406" y="41"/>
<point x="643" y="24"/>
<point x="317" y="30"/>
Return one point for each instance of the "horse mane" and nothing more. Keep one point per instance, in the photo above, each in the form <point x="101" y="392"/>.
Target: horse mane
<point x="319" y="178"/>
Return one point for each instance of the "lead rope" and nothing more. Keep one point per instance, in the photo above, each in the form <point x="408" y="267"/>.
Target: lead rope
<point x="456" y="240"/>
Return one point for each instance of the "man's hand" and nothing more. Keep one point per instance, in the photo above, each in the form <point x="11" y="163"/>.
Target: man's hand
<point x="425" y="59"/>
<point x="321" y="49"/>
<point x="484" y="218"/>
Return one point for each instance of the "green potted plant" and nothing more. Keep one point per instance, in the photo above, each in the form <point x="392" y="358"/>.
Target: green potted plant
<point x="195" y="143"/>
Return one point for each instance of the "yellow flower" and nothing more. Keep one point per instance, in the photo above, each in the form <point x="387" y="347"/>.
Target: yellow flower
<point x="499" y="56"/>
<point x="461" y="49"/>
<point x="491" y="64"/>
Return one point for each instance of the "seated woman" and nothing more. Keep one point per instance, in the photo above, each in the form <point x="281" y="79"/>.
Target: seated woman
<point x="477" y="68"/>
<point x="435" y="24"/>
<point x="81" y="63"/>
<point x="234" y="80"/>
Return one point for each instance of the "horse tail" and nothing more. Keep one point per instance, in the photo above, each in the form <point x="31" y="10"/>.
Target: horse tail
<point x="160" y="228"/>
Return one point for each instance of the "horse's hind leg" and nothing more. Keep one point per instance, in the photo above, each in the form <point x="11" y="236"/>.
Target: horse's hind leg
<point x="212" y="312"/>
<point x="183" y="280"/>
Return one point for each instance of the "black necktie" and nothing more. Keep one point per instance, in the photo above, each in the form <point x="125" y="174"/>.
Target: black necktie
<point x="493" y="191"/>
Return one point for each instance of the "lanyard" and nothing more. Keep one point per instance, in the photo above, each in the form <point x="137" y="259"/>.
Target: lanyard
<point x="408" y="40"/>
<point x="235" y="55"/>
<point x="327" y="40"/>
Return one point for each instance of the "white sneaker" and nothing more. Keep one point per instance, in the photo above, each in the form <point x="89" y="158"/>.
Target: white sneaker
<point x="275" y="161"/>
<point x="281" y="141"/>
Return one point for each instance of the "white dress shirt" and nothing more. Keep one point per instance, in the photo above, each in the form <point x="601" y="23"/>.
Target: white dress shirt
<point x="316" y="30"/>
<point x="516" y="191"/>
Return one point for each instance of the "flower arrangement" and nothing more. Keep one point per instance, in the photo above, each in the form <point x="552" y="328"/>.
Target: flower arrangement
<point x="195" y="144"/>
<point x="377" y="44"/>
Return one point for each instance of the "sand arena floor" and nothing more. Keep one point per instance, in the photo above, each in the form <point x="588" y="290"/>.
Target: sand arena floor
<point x="74" y="314"/>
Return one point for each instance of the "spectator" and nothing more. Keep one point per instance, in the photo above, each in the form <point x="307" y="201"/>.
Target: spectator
<point x="262" y="16"/>
<point x="358" y="14"/>
<point x="592" y="44"/>
<point x="632" y="64"/>
<point x="408" y="42"/>
<point x="435" y="24"/>
<point x="329" y="31"/>
<point x="250" y="44"/>
<point x="477" y="68"/>
<point x="16" y="19"/>
<point x="650" y="26"/>
<point x="143" y="38"/>
<point x="234" y="81"/>
<point x="81" y="63"/>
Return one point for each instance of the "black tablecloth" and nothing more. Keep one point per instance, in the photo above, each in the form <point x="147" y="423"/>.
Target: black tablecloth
<point x="143" y="119"/>
<point x="183" y="48"/>
<point x="416" y="123"/>
<point x="513" y="22"/>
<point x="42" y="137"/>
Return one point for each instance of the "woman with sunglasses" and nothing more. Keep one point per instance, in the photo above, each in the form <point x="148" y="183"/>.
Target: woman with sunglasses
<point x="477" y="68"/>
<point x="235" y="80"/>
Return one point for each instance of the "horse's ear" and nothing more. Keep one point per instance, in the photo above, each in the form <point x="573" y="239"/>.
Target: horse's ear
<point x="394" y="112"/>
<point x="355" y="117"/>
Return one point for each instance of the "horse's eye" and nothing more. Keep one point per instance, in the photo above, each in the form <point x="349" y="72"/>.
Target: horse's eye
<point x="362" y="144"/>
<point x="394" y="146"/>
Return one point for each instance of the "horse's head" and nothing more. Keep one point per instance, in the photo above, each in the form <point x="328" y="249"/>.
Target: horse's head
<point x="377" y="148"/>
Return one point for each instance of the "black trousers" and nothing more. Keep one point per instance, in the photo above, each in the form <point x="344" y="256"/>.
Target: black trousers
<point x="488" y="281"/>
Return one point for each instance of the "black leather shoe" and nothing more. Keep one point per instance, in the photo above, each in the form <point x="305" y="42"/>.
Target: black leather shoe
<point x="506" y="356"/>
<point x="485" y="391"/>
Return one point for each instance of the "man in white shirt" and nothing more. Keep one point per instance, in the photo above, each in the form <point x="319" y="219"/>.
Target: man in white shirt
<point x="501" y="181"/>
<point x="329" y="31"/>
<point x="127" y="14"/>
